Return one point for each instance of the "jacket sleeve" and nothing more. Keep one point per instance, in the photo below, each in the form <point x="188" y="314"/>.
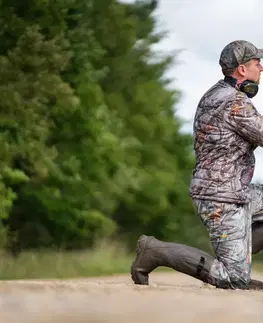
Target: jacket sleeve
<point x="243" y="118"/>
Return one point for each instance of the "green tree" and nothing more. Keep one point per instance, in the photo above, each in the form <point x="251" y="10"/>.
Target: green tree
<point x="157" y="157"/>
<point x="91" y="142"/>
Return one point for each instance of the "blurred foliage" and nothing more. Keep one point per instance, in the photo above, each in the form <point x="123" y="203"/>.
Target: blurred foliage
<point x="90" y="140"/>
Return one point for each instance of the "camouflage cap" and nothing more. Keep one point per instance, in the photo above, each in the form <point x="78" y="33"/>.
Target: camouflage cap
<point x="238" y="52"/>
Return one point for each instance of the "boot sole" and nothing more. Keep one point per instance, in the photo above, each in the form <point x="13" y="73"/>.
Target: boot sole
<point x="255" y="285"/>
<point x="137" y="274"/>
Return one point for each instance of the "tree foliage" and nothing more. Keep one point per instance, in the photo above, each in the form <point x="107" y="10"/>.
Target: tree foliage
<point x="90" y="141"/>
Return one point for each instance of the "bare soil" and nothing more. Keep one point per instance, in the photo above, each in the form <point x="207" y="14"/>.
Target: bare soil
<point x="170" y="297"/>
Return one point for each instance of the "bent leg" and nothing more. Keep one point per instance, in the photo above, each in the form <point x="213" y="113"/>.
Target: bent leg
<point x="229" y="228"/>
<point x="256" y="210"/>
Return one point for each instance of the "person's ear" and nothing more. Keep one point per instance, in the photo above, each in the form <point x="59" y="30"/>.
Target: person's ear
<point x="241" y="70"/>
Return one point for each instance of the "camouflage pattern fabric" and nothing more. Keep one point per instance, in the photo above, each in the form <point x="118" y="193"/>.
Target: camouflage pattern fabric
<point x="227" y="130"/>
<point x="230" y="233"/>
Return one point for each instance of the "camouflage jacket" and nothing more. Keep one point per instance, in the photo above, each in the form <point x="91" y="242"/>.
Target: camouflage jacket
<point x="227" y="129"/>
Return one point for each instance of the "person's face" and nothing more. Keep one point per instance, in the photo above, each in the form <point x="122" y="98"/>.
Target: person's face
<point x="251" y="70"/>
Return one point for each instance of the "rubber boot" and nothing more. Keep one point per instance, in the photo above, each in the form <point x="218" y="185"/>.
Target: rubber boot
<point x="255" y="285"/>
<point x="257" y="237"/>
<point x="152" y="253"/>
<point x="257" y="245"/>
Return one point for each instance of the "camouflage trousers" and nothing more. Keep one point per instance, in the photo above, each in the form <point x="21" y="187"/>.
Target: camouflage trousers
<point x="230" y="233"/>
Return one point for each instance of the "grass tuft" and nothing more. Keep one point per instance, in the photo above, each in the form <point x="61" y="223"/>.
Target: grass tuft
<point x="105" y="259"/>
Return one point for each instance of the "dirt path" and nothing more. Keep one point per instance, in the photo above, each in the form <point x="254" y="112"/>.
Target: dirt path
<point x="171" y="297"/>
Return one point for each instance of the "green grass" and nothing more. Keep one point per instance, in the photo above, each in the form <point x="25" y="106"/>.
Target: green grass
<point x="104" y="260"/>
<point x="257" y="262"/>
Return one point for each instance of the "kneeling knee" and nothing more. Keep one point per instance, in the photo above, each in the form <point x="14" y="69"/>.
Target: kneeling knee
<point x="239" y="280"/>
<point x="234" y="280"/>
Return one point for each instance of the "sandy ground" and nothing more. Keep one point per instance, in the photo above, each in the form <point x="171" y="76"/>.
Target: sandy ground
<point x="171" y="297"/>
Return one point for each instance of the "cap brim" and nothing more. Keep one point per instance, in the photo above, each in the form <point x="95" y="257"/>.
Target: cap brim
<point x="259" y="54"/>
